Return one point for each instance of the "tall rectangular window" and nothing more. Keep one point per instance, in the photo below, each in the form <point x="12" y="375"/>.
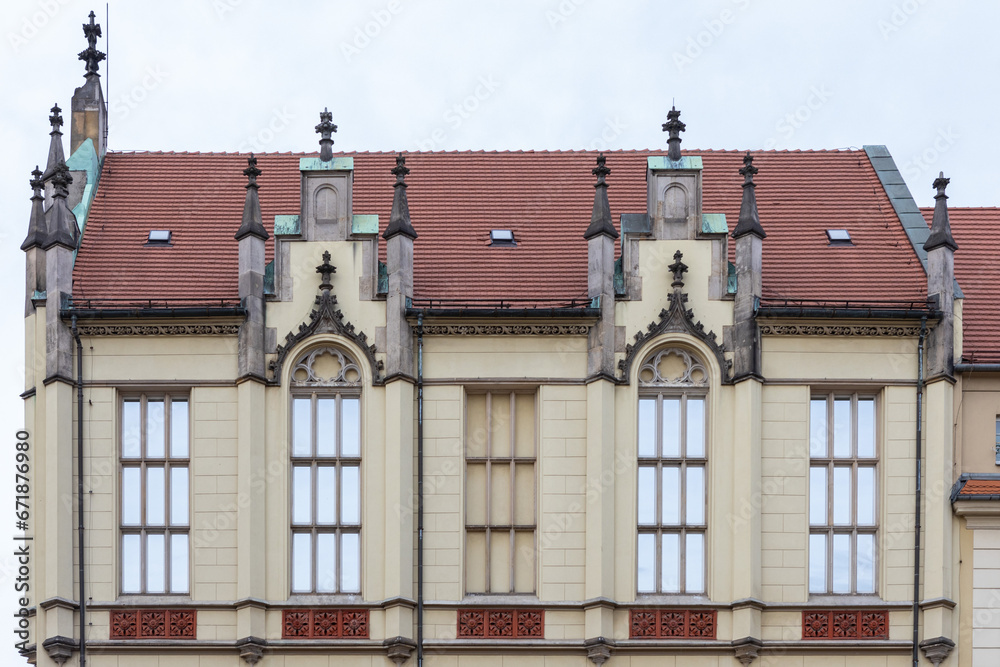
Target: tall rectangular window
<point x="500" y="497"/>
<point x="671" y="493"/>
<point x="326" y="493"/>
<point x="155" y="513"/>
<point x="843" y="494"/>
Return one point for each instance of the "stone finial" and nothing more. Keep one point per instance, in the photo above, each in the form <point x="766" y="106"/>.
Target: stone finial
<point x="678" y="268"/>
<point x="399" y="219"/>
<point x="36" y="224"/>
<point x="674" y="126"/>
<point x="600" y="219"/>
<point x="326" y="128"/>
<point x="940" y="226"/>
<point x="253" y="224"/>
<point x="59" y="219"/>
<point x="326" y="271"/>
<point x="56" y="154"/>
<point x="749" y="221"/>
<point x="91" y="55"/>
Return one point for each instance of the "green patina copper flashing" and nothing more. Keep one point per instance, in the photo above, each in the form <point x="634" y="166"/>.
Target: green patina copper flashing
<point x="714" y="223"/>
<point x="287" y="225"/>
<point x="383" y="278"/>
<point x="731" y="279"/>
<point x="620" y="277"/>
<point x="36" y="295"/>
<point x="364" y="224"/>
<point x="269" y="279"/>
<point x="657" y="162"/>
<point x="336" y="164"/>
<point x="85" y="159"/>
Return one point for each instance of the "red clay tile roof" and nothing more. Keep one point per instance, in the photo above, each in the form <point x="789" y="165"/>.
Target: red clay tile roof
<point x="978" y="272"/>
<point x="980" y="487"/>
<point x="456" y="198"/>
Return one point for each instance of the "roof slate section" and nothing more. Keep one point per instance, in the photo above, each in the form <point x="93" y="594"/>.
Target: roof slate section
<point x="456" y="198"/>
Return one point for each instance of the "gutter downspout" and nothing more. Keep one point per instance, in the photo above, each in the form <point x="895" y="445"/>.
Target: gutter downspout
<point x="919" y="471"/>
<point x="79" y="489"/>
<point x="420" y="490"/>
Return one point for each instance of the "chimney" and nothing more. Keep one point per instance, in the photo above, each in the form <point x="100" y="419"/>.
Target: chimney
<point x="34" y="256"/>
<point x="673" y="187"/>
<point x="60" y="242"/>
<point x="940" y="247"/>
<point x="399" y="237"/>
<point x="90" y="120"/>
<point x="600" y="236"/>
<point x="749" y="236"/>
<point x="251" y="237"/>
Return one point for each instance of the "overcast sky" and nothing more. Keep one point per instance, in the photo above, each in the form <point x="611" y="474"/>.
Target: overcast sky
<point x="919" y="76"/>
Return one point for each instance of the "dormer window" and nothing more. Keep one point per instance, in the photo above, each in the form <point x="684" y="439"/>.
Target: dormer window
<point x="839" y="237"/>
<point x="502" y="237"/>
<point x="159" y="237"/>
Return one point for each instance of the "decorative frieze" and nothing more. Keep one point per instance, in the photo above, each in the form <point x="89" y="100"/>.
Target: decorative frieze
<point x="837" y="330"/>
<point x="501" y="623"/>
<point x="506" y="330"/>
<point x="154" y="624"/>
<point x="324" y="624"/>
<point x="672" y="624"/>
<point x="845" y="624"/>
<point x="160" y="330"/>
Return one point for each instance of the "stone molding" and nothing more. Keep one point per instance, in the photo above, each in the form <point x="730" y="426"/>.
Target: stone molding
<point x="895" y="331"/>
<point x="159" y="330"/>
<point x="506" y="329"/>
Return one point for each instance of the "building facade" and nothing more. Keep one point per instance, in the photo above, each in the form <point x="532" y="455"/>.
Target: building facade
<point x="363" y="409"/>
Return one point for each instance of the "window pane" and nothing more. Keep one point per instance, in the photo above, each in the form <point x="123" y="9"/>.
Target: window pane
<point x="350" y="495"/>
<point x="301" y="427"/>
<point x="817" y="563"/>
<point x="179" y="563"/>
<point x="866" y="496"/>
<point x="301" y="562"/>
<point x="475" y="561"/>
<point x="866" y="564"/>
<point x="351" y="443"/>
<point x="131" y="564"/>
<point x="817" y="428"/>
<point x="671" y="491"/>
<point x="326" y="427"/>
<point x="301" y="494"/>
<point x="647" y="495"/>
<point x="841" y="563"/>
<point x="694" y="564"/>
<point x="842" y="427"/>
<point x="670" y="574"/>
<point x="671" y="427"/>
<point x="179" y="429"/>
<point x="178" y="496"/>
<point x="155" y="564"/>
<point x="842" y="496"/>
<point x="817" y="496"/>
<point x="866" y="427"/>
<point x="350" y="556"/>
<point x="326" y="563"/>
<point x="646" y="551"/>
<point x="156" y="496"/>
<point x="131" y="496"/>
<point x="647" y="427"/>
<point x="695" y="495"/>
<point x="696" y="427"/>
<point x="154" y="428"/>
<point x="326" y="494"/>
<point x="524" y="561"/>
<point x="131" y="441"/>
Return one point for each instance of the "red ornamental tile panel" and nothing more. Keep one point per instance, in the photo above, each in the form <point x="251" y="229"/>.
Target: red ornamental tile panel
<point x="324" y="624"/>
<point x="845" y="624"/>
<point x="501" y="623"/>
<point x="154" y="624"/>
<point x="672" y="624"/>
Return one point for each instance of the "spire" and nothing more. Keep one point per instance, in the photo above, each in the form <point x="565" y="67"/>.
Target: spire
<point x="59" y="220"/>
<point x="252" y="219"/>
<point x="325" y="129"/>
<point x="36" y="224"/>
<point x="674" y="126"/>
<point x="91" y="55"/>
<point x="940" y="227"/>
<point x="56" y="154"/>
<point x="600" y="219"/>
<point x="749" y="222"/>
<point x="399" y="220"/>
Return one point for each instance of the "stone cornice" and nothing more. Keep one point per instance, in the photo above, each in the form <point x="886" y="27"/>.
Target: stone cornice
<point x="159" y="329"/>
<point x="506" y="329"/>
<point x="850" y="330"/>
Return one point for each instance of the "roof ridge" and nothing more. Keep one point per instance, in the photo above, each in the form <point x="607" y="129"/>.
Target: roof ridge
<point x="483" y="151"/>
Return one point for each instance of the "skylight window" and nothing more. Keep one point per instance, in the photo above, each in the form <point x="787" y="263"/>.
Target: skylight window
<point x="839" y="237"/>
<point x="502" y="237"/>
<point x="159" y="237"/>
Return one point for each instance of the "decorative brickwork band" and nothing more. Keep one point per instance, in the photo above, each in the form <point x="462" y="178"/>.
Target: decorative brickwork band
<point x="501" y="623"/>
<point x="154" y="624"/>
<point x="324" y="624"/>
<point x="845" y="624"/>
<point x="672" y="624"/>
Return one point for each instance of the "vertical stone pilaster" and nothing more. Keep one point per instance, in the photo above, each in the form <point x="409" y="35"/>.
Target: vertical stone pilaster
<point x="746" y="526"/>
<point x="600" y="507"/>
